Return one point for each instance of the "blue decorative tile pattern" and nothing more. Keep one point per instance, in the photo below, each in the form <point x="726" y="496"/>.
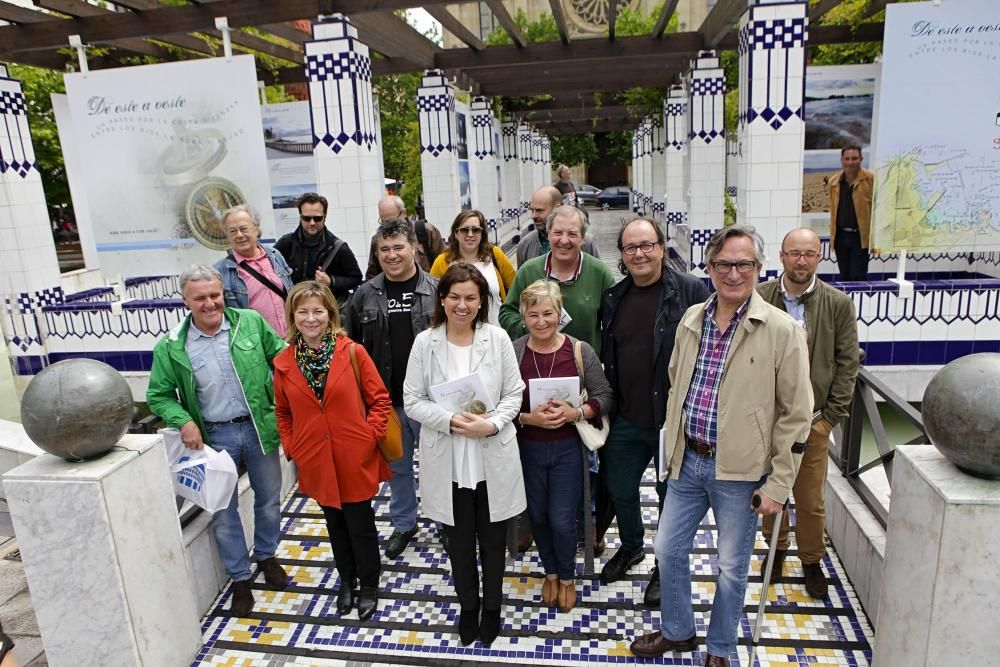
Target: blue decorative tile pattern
<point x="436" y="108"/>
<point x="777" y="41"/>
<point x="17" y="151"/>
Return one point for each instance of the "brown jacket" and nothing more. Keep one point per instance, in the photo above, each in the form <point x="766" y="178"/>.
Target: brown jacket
<point x="765" y="401"/>
<point x="864" y="186"/>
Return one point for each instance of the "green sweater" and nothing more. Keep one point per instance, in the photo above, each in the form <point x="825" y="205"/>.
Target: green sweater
<point x="582" y="299"/>
<point x="253" y="344"/>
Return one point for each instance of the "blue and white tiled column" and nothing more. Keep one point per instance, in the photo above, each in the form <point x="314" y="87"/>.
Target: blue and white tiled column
<point x="511" y="206"/>
<point x="345" y="130"/>
<point x="526" y="157"/>
<point x="772" y="49"/>
<point x="29" y="268"/>
<point x="636" y="174"/>
<point x="675" y="148"/>
<point x="484" y="164"/>
<point x="439" y="148"/>
<point x="541" y="168"/>
<point x="546" y="158"/>
<point x="658" y="168"/>
<point x="706" y="152"/>
<point x="732" y="168"/>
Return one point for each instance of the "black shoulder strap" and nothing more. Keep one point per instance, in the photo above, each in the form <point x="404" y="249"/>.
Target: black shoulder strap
<point x="420" y="227"/>
<point x="337" y="245"/>
<point x="277" y="289"/>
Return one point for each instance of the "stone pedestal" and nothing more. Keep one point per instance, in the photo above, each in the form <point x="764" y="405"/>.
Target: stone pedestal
<point x="104" y="556"/>
<point x="940" y="594"/>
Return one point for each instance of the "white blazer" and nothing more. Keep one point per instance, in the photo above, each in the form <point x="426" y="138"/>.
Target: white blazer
<point x="494" y="360"/>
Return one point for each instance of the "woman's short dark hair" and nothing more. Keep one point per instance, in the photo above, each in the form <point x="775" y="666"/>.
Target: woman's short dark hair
<point x="485" y="247"/>
<point x="461" y="272"/>
<point x="660" y="238"/>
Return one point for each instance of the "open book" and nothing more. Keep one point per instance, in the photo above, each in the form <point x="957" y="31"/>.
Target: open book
<point x="466" y="394"/>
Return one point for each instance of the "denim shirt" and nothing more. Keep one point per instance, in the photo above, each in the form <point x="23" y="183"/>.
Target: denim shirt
<point x="235" y="289"/>
<point x="220" y="394"/>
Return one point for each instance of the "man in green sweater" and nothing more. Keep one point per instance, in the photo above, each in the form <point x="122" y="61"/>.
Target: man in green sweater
<point x="582" y="279"/>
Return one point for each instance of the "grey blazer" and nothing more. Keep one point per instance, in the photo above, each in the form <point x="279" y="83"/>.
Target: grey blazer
<point x="493" y="359"/>
<point x="594" y="380"/>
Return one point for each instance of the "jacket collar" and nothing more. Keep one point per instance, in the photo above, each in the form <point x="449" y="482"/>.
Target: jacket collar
<point x="423" y="282"/>
<point x="340" y="364"/>
<point x="439" y="346"/>
<point x="757" y="312"/>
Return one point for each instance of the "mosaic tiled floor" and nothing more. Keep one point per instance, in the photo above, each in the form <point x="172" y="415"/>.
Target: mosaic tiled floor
<point x="418" y="611"/>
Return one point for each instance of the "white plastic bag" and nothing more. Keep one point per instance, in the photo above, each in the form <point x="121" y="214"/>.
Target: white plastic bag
<point x="203" y="476"/>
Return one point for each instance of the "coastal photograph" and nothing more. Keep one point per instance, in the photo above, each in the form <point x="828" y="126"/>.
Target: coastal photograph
<point x="839" y="106"/>
<point x="817" y="168"/>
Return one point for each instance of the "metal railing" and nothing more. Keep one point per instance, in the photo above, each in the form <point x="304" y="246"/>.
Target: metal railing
<point x="846" y="449"/>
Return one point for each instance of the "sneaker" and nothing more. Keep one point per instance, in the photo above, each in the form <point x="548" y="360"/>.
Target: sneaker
<point x="242" y="603"/>
<point x="398" y="541"/>
<point x="274" y="575"/>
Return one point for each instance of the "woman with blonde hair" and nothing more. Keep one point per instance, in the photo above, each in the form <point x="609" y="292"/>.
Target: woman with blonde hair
<point x="551" y="450"/>
<point x="330" y="424"/>
<point x="469" y="242"/>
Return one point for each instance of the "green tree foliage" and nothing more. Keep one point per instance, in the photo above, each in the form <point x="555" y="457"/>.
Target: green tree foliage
<point x="397" y="101"/>
<point x="849" y="12"/>
<point x="620" y="145"/>
<point x="573" y="149"/>
<point x="542" y="30"/>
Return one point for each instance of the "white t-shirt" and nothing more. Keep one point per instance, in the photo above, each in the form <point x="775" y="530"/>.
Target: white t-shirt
<point x="466" y="457"/>
<point x="490" y="273"/>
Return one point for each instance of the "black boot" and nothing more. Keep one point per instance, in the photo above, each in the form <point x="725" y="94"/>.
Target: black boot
<point x="367" y="602"/>
<point x="468" y="625"/>
<point x="651" y="598"/>
<point x="345" y="597"/>
<point x="489" y="627"/>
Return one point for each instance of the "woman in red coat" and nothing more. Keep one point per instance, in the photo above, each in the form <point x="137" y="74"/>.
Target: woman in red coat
<point x="326" y="431"/>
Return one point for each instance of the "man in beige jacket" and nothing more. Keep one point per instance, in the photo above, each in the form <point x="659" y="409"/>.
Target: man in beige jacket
<point x="738" y="415"/>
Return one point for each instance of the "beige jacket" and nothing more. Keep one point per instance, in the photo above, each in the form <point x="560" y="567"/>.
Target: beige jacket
<point x="765" y="401"/>
<point x="862" y="193"/>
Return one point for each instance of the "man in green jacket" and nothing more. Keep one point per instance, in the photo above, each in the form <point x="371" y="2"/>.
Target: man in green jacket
<point x="827" y="316"/>
<point x="211" y="378"/>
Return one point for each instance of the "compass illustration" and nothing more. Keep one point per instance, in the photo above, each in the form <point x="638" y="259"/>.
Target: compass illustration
<point x="186" y="164"/>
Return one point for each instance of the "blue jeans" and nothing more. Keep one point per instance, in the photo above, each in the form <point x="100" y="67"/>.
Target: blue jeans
<point x="688" y="500"/>
<point x="553" y="482"/>
<point x="403" y="484"/>
<point x="240" y="441"/>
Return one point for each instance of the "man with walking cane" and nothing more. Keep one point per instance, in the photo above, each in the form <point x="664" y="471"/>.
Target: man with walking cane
<point x="738" y="414"/>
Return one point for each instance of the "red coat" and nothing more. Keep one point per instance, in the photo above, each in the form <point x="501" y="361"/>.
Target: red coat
<point x="332" y="443"/>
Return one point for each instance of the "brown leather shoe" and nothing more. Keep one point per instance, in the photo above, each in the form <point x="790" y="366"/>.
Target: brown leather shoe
<point x="779" y="565"/>
<point x="525" y="536"/>
<point x="567" y="596"/>
<point x="550" y="592"/>
<point x="815" y="581"/>
<point x="242" y="603"/>
<point x="655" y="644"/>
<point x="274" y="575"/>
<point x="715" y="661"/>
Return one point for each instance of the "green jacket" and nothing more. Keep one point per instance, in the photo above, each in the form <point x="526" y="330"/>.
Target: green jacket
<point x="832" y="342"/>
<point x="582" y="299"/>
<point x="252" y="345"/>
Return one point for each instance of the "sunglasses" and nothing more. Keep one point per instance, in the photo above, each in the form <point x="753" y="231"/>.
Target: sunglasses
<point x="470" y="230"/>
<point x="312" y="218"/>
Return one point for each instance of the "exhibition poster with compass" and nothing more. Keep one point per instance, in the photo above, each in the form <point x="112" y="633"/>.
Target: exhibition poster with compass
<point x="168" y="148"/>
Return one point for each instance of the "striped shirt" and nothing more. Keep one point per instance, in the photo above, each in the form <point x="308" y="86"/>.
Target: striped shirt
<point x="701" y="406"/>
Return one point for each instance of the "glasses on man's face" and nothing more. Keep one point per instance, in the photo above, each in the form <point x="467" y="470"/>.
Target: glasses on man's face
<point x="312" y="218"/>
<point x="646" y="247"/>
<point x="243" y="231"/>
<point x="742" y="266"/>
<point x="796" y="254"/>
<point x="471" y="231"/>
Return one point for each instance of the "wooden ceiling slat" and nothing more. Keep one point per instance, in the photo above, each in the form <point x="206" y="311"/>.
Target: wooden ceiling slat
<point x="286" y="31"/>
<point x="612" y="18"/>
<point x="560" y="18"/>
<point x="503" y="16"/>
<point x="455" y="27"/>
<point x="721" y="20"/>
<point x="821" y="8"/>
<point x="664" y="18"/>
<point x="20" y="14"/>
<point x="389" y="34"/>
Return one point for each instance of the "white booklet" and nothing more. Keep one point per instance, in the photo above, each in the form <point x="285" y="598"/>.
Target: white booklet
<point x="466" y="394"/>
<point x="542" y="390"/>
<point x="661" y="473"/>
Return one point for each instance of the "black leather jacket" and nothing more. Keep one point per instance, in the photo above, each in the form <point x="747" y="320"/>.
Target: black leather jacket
<point x="680" y="292"/>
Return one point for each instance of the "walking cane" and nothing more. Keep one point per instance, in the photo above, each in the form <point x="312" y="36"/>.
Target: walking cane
<point x="759" y="622"/>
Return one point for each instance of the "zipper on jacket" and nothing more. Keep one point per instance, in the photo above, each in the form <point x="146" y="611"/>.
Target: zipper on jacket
<point x="253" y="421"/>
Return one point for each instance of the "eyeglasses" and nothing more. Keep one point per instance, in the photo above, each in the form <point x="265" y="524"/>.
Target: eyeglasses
<point x="470" y="230"/>
<point x="646" y="247"/>
<point x="233" y="231"/>
<point x="795" y="254"/>
<point x="312" y="218"/>
<point x="742" y="266"/>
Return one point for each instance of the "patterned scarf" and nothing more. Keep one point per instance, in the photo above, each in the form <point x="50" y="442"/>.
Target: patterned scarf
<point x="315" y="363"/>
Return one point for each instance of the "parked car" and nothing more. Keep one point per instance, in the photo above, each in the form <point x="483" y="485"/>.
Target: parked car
<point x="586" y="194"/>
<point x="614" y="197"/>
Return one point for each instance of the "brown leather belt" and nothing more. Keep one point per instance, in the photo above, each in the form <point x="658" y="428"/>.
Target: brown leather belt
<point x="699" y="448"/>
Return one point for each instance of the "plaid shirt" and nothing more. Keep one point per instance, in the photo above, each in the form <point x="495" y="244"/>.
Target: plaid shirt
<point x="701" y="406"/>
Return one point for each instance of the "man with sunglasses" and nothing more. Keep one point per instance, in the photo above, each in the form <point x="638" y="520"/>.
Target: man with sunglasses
<point x="827" y="316"/>
<point x="635" y="350"/>
<point x="738" y="414"/>
<point x="314" y="253"/>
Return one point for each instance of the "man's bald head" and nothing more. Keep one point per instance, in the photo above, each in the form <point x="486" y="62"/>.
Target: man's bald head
<point x="800" y="235"/>
<point x="543" y="201"/>
<point x="390" y="208"/>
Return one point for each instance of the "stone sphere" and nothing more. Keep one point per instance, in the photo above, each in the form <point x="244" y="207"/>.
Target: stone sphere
<point x="961" y="411"/>
<point x="77" y="409"/>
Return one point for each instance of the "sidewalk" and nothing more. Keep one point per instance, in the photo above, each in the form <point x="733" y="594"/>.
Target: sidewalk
<point x="16" y="614"/>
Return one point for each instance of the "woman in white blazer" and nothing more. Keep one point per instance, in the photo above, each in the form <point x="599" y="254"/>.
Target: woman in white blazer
<point x="470" y="469"/>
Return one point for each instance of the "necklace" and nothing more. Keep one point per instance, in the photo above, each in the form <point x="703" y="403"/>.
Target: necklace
<point x="534" y="358"/>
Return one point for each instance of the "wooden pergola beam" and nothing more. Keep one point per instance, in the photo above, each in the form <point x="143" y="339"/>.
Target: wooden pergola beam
<point x="569" y="114"/>
<point x="455" y="27"/>
<point x="499" y="11"/>
<point x="612" y="18"/>
<point x="720" y="21"/>
<point x="586" y="126"/>
<point x="389" y="34"/>
<point x="669" y="6"/>
<point x="821" y="8"/>
<point x="557" y="15"/>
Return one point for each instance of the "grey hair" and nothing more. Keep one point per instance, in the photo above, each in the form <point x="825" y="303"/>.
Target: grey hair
<point x="720" y="237"/>
<point x="242" y="208"/>
<point x="571" y="211"/>
<point x="196" y="273"/>
<point x="397" y="201"/>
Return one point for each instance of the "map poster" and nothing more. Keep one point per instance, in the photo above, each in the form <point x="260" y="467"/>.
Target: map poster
<point x="937" y="143"/>
<point x="164" y="150"/>
<point x="291" y="166"/>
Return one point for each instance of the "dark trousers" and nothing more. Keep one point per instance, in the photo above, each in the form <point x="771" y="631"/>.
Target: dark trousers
<point x="627" y="454"/>
<point x="852" y="259"/>
<point x="354" y="539"/>
<point x="553" y="481"/>
<point x="472" y="523"/>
